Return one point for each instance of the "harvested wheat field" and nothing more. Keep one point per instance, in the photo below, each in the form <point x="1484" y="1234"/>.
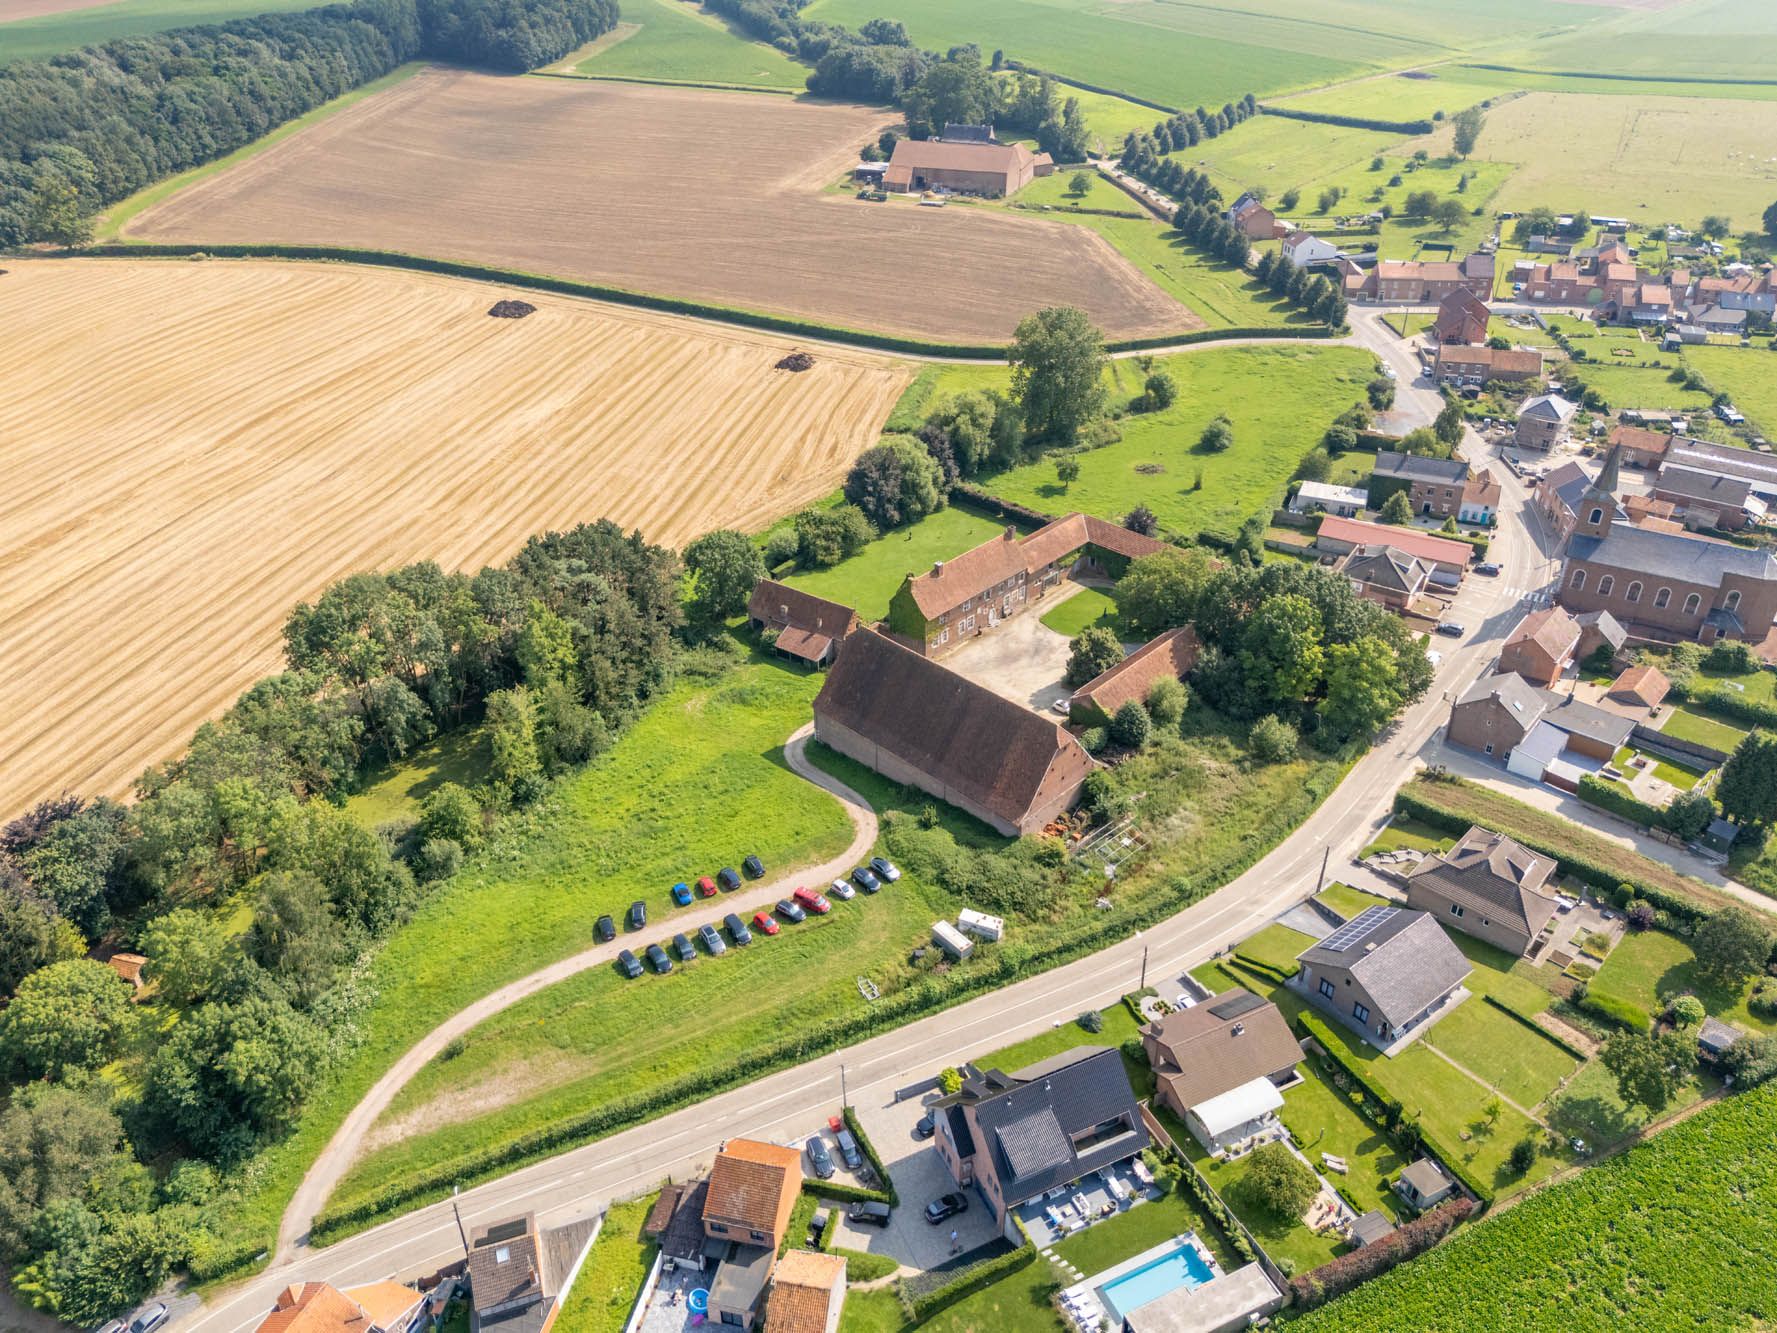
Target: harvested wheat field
<point x="209" y="442"/>
<point x="708" y="195"/>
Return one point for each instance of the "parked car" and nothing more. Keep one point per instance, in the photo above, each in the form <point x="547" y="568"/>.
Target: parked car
<point x="810" y="900"/>
<point x="737" y="929"/>
<point x="115" y="1326"/>
<point x="926" y="1126"/>
<point x="638" y="914"/>
<point x="151" y="1318"/>
<point x="683" y="946"/>
<point x="765" y="923"/>
<point x="1062" y="707"/>
<point x="605" y="929"/>
<point x="682" y="894"/>
<point x="884" y="869"/>
<point x="658" y="960"/>
<point x="945" y="1205"/>
<point x="842" y="890"/>
<point x="628" y="964"/>
<point x="869" y="1213"/>
<point x="865" y="880"/>
<point x="706" y="887"/>
<point x="1488" y="568"/>
<point x="1450" y="629"/>
<point x="729" y="878"/>
<point x="754" y="867"/>
<point x="790" y="910"/>
<point x="819" y="1158"/>
<point x="712" y="939"/>
<point x="848" y="1150"/>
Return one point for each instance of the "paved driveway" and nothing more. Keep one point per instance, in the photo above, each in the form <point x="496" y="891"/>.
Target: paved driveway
<point x="1021" y="659"/>
<point x="920" y="1176"/>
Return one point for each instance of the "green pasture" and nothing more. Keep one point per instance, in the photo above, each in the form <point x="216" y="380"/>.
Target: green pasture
<point x="1746" y="374"/>
<point x="48" y="34"/>
<point x="679" y="41"/>
<point x="1415" y="95"/>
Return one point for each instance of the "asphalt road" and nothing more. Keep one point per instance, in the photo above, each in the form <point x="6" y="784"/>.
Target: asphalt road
<point x="795" y="1101"/>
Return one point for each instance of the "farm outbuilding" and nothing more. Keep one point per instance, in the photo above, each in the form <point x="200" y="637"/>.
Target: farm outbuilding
<point x="992" y="170"/>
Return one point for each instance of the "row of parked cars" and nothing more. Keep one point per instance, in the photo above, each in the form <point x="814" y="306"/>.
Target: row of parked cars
<point x="797" y="907"/>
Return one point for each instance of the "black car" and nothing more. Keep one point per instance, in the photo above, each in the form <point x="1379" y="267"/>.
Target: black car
<point x="737" y="929"/>
<point x="789" y="911"/>
<point x="1449" y="628"/>
<point x="926" y="1127"/>
<point x="1488" y="568"/>
<point x="712" y="939"/>
<point x="869" y="1213"/>
<point x="945" y="1205"/>
<point x="686" y="949"/>
<point x="884" y="869"/>
<point x="628" y="964"/>
<point x="865" y="880"/>
<point x="819" y="1158"/>
<point x="605" y="929"/>
<point x="728" y="878"/>
<point x="638" y="914"/>
<point x="754" y="867"/>
<point x="658" y="960"/>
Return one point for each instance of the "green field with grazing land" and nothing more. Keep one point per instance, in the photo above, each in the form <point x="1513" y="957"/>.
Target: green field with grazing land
<point x="1396" y="97"/>
<point x="49" y="34"/>
<point x="1748" y="375"/>
<point x="868" y="579"/>
<point x="1706" y="39"/>
<point x="679" y="41"/>
<point x="1053" y="191"/>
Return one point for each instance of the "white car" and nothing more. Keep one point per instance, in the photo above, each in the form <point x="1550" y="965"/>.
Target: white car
<point x="1388" y="370"/>
<point x="842" y="889"/>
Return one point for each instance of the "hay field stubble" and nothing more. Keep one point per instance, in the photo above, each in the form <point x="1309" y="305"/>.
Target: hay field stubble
<point x="192" y="447"/>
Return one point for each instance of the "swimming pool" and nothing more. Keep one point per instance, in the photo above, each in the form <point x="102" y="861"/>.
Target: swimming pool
<point x="1181" y="1266"/>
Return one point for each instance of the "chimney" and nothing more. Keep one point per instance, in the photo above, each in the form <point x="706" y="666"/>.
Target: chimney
<point x="1011" y="533"/>
<point x="1239" y="1028"/>
<point x="937" y="568"/>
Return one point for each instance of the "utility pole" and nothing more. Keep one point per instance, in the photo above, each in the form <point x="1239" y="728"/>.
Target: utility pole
<point x="1144" y="968"/>
<point x="457" y="1213"/>
<point x="842" y="1087"/>
<point x="1325" y="856"/>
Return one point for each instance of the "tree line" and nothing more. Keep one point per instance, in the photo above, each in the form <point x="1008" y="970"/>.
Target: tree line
<point x="554" y="652"/>
<point x="82" y="130"/>
<point x="1187" y="129"/>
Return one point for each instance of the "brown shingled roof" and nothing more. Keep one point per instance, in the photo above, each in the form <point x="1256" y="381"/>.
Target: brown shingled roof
<point x="1642" y="441"/>
<point x="754" y="1185"/>
<point x="944" y="155"/>
<point x="314" y="1307"/>
<point x="801" y="1290"/>
<point x="1644" y="685"/>
<point x="1172" y="655"/>
<point x="1221" y="1043"/>
<point x="950" y="583"/>
<point x="1551" y="629"/>
<point x="779" y="604"/>
<point x="1054" y="540"/>
<point x="987" y="749"/>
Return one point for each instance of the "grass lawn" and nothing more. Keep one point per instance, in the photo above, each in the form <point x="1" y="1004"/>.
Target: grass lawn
<point x="1284" y="1238"/>
<point x="1756" y="686"/>
<point x="695" y="784"/>
<point x="1688" y="724"/>
<point x="1630" y="385"/>
<point x="1224" y="296"/>
<point x="1347" y="901"/>
<point x="1650" y="964"/>
<point x="602" y="1296"/>
<point x="1280" y="400"/>
<point x="1682" y="778"/>
<point x="1590" y="1108"/>
<point x="1119" y="1027"/>
<point x="1404" y="832"/>
<point x="1747" y="374"/>
<point x="1322" y="1119"/>
<point x="868" y="579"/>
<point x="876" y="1311"/>
<point x="34" y="38"/>
<point x="680" y="41"/>
<point x="460" y="756"/>
<point x="1276" y="945"/>
<point x="1140" y="1228"/>
<point x="1088" y="606"/>
<point x="1520" y="1063"/>
<point x="1054" y="191"/>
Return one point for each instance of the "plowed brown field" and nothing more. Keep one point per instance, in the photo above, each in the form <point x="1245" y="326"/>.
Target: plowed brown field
<point x="191" y="448"/>
<point x="709" y="195"/>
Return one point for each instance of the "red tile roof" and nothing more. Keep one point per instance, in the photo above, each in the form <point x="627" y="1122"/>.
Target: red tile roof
<point x="754" y="1185"/>
<point x="1438" y="550"/>
<point x="950" y="583"/>
<point x="1172" y="654"/>
<point x="1644" y="685"/>
<point x="1551" y="629"/>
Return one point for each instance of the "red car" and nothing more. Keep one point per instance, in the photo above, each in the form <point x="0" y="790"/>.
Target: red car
<point x="706" y="887"/>
<point x="765" y="923"/>
<point x="812" y="901"/>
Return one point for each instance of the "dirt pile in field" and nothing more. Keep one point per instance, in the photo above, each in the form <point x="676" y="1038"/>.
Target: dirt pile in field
<point x="796" y="361"/>
<point x="511" y="309"/>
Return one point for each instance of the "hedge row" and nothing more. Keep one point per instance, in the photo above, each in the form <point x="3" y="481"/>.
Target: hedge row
<point x="1625" y="78"/>
<point x="1612" y="797"/>
<point x="1132" y="1002"/>
<point x="1265" y="969"/>
<point x="966" y="1282"/>
<point x="212" y="1260"/>
<point x="971" y="496"/>
<point x="1534" y="1026"/>
<point x="670" y="83"/>
<point x="1729" y="703"/>
<point x="1077" y="208"/>
<point x="1091" y="87"/>
<point x="1575" y="850"/>
<point x="1354" y="1268"/>
<point x="890" y="1193"/>
<point x="1619" y="1011"/>
<point x="1211" y="1203"/>
<point x="1293" y="332"/>
<point x="841" y="1192"/>
<point x="1005" y="964"/>
<point x="1351" y="122"/>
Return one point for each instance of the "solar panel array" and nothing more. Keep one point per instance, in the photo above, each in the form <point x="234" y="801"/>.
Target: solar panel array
<point x="1353" y="931"/>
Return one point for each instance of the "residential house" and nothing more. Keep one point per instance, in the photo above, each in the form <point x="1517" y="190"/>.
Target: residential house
<point x="675" y="1222"/>
<point x="992" y="170"/>
<point x="1386" y="575"/>
<point x="1386" y="974"/>
<point x="1543" y="422"/>
<point x="921" y="724"/>
<point x="1542" y="646"/>
<point x="1433" y="485"/>
<point x="1344" y="501"/>
<point x="1422" y="282"/>
<point x="1542" y="736"/>
<point x="808" y="628"/>
<point x="1169" y="656"/>
<point x="1718" y="319"/>
<point x="1649" y="303"/>
<point x="1256" y="222"/>
<point x="1642" y="688"/>
<point x="1559" y="283"/>
<point x="1447" y="559"/>
<point x="1474" y="367"/>
<point x="1221" y="1065"/>
<point x="1665" y="585"/>
<point x="1015" y="1137"/>
<point x="1424" y="1184"/>
<point x="807" y="1293"/>
<point x="753" y="1188"/>
<point x="937" y="611"/>
<point x="1558" y="496"/>
<point x="1708" y="499"/>
<point x="1462" y="318"/>
<point x="1480" y="499"/>
<point x="517" y="1274"/>
<point x="1486" y="886"/>
<point x="319" y="1307"/>
<point x="1638" y="447"/>
<point x="1305" y="250"/>
<point x="1599" y="629"/>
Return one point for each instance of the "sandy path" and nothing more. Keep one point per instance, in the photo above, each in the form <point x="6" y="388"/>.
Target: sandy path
<point x="336" y="1158"/>
<point x="192" y="447"/>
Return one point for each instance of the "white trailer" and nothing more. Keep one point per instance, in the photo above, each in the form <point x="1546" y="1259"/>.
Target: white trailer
<point x="980" y="923"/>
<point x="948" y="938"/>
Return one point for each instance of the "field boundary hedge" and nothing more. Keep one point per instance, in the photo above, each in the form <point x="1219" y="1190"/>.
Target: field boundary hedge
<point x="1625" y="78"/>
<point x="1349" y="122"/>
<point x="1023" y="68"/>
<point x="668" y="83"/>
<point x="1534" y="1026"/>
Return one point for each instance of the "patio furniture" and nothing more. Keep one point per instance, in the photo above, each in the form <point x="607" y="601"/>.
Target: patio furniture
<point x="1334" y="1164"/>
<point x="1141" y="1172"/>
<point x="1081" y="1205"/>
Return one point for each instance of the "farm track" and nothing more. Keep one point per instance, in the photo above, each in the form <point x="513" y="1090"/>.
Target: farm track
<point x="571" y="178"/>
<point x="209" y="443"/>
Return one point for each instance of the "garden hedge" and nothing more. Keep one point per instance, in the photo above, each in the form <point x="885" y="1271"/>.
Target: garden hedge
<point x="1534" y="1026"/>
<point x="868" y="1148"/>
<point x="1265" y="969"/>
<point x="1610" y="796"/>
<point x="1619" y="1011"/>
<point x="966" y="1282"/>
<point x="840" y="1191"/>
<point x="1729" y="703"/>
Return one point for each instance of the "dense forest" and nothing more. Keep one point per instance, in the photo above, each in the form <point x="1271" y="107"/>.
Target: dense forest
<point x="127" y="1127"/>
<point x="83" y="130"/>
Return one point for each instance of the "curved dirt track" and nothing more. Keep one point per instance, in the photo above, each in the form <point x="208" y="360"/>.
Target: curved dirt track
<point x="193" y="447"/>
<point x="715" y="196"/>
<point x="335" y="1159"/>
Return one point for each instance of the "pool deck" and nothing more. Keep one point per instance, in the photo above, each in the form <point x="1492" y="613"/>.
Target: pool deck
<point x="1086" y="1302"/>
